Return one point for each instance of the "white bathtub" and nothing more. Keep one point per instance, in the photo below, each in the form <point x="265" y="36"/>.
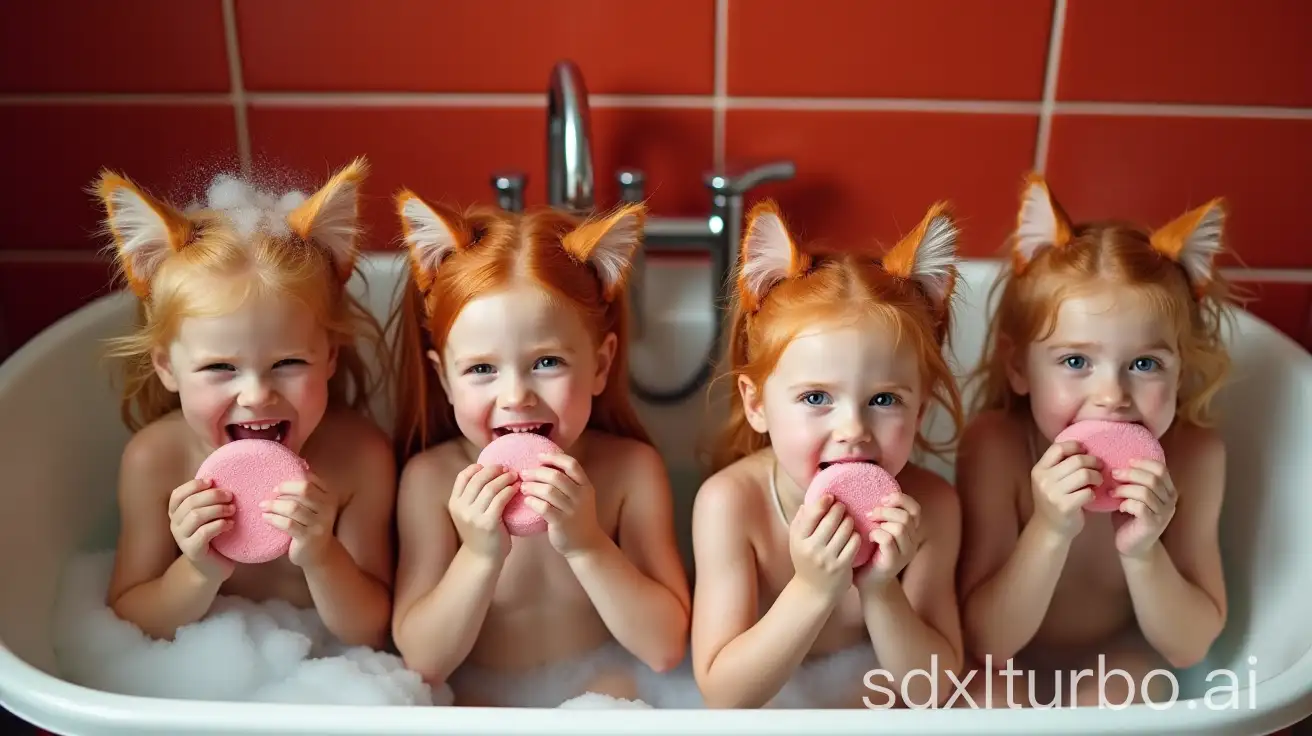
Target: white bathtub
<point x="59" y="498"/>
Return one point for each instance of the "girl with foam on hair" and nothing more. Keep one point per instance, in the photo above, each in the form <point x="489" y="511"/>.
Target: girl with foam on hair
<point x="837" y="357"/>
<point x="517" y="323"/>
<point x="1096" y="321"/>
<point x="248" y="331"/>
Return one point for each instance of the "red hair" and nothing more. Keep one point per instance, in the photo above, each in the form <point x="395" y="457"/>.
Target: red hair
<point x="457" y="257"/>
<point x="783" y="289"/>
<point x="1052" y="259"/>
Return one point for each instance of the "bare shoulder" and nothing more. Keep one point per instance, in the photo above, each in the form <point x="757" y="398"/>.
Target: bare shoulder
<point x="1196" y="458"/>
<point x="354" y="451"/>
<point x="935" y="495"/>
<point x="993" y="448"/>
<point x="735" y="495"/>
<point x="430" y="474"/>
<point x="155" y="459"/>
<point x="625" y="464"/>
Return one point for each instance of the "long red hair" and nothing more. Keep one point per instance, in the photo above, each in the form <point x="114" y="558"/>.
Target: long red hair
<point x="782" y="289"/>
<point x="456" y="257"/>
<point x="1053" y="258"/>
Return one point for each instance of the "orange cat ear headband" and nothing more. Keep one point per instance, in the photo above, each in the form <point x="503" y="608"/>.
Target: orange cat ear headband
<point x="927" y="256"/>
<point x="147" y="230"/>
<point x="1192" y="240"/>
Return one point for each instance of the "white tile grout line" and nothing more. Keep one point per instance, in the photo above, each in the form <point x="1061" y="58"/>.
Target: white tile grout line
<point x="651" y="102"/>
<point x="238" y="92"/>
<point x="721" y="77"/>
<point x="1042" y="139"/>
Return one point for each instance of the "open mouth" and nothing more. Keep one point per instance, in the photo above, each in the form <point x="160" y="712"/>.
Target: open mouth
<point x="538" y="429"/>
<point x="273" y="431"/>
<point x="866" y="461"/>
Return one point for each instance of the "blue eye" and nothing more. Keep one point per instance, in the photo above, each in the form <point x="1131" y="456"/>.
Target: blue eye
<point x="1075" y="362"/>
<point x="482" y="369"/>
<point x="1146" y="364"/>
<point x="548" y="362"/>
<point x="884" y="399"/>
<point x="815" y="398"/>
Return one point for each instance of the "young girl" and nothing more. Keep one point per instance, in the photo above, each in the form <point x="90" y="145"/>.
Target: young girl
<point x="522" y="322"/>
<point x="248" y="332"/>
<point x="1096" y="321"/>
<point x="836" y="358"/>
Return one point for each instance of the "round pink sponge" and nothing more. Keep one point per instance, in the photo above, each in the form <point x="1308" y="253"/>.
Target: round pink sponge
<point x="1115" y="444"/>
<point x="860" y="487"/>
<point x="515" y="452"/>
<point x="252" y="470"/>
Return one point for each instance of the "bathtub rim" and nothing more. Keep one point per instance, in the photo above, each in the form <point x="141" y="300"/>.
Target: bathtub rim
<point x="60" y="706"/>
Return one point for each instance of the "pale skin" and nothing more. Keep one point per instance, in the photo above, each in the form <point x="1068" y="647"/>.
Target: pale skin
<point x="775" y="589"/>
<point x="1053" y="586"/>
<point x="265" y="362"/>
<point x="608" y="568"/>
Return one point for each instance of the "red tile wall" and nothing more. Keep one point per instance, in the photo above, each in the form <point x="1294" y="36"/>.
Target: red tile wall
<point x="1133" y="108"/>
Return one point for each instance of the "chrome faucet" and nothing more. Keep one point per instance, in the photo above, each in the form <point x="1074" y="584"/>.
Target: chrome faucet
<point x="570" y="186"/>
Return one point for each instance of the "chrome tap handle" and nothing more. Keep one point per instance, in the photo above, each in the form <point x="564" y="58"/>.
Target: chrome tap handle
<point x="632" y="189"/>
<point x="738" y="183"/>
<point x="510" y="190"/>
<point x="632" y="184"/>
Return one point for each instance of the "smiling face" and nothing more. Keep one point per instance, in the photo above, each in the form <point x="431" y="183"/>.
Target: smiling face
<point x="260" y="371"/>
<point x="518" y="360"/>
<point x="840" y="393"/>
<point x="1111" y="356"/>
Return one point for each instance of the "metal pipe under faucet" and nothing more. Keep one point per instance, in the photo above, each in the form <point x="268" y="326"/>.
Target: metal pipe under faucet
<point x="570" y="183"/>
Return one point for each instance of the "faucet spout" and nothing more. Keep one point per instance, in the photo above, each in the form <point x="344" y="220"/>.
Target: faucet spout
<point x="569" y="141"/>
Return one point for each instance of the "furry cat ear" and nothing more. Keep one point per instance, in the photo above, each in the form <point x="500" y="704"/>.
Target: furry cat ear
<point x="608" y="245"/>
<point x="1193" y="240"/>
<point x="145" y="230"/>
<point x="769" y="255"/>
<point x="1040" y="223"/>
<point x="927" y="256"/>
<point x="330" y="218"/>
<point x="432" y="233"/>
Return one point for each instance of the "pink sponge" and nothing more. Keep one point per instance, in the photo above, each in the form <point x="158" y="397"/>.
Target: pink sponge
<point x="1115" y="444"/>
<point x="860" y="487"/>
<point x="252" y="470"/>
<point x="515" y="452"/>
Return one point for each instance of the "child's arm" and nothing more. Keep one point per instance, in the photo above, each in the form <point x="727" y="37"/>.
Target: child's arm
<point x="350" y="582"/>
<point x="1177" y="585"/>
<point x="915" y="624"/>
<point x="153" y="586"/>
<point x="443" y="588"/>
<point x="639" y="587"/>
<point x="1008" y="574"/>
<point x="738" y="661"/>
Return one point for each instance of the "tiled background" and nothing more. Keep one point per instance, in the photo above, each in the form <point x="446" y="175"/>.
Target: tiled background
<point x="1135" y="108"/>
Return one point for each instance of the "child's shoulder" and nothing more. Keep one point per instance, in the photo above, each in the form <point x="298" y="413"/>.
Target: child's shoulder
<point x="160" y="447"/>
<point x="1194" y="453"/>
<point x="435" y="468"/>
<point x="736" y="490"/>
<point x="935" y="495"/>
<point x="995" y="443"/>
<point x="615" y="461"/>
<point x="351" y="437"/>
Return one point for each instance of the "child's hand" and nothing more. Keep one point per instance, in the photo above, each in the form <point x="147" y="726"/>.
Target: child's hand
<point x="198" y="514"/>
<point x="562" y="493"/>
<point x="898" y="537"/>
<point x="823" y="542"/>
<point x="1148" y="507"/>
<point x="477" y="501"/>
<point x="1063" y="482"/>
<point x="308" y="512"/>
